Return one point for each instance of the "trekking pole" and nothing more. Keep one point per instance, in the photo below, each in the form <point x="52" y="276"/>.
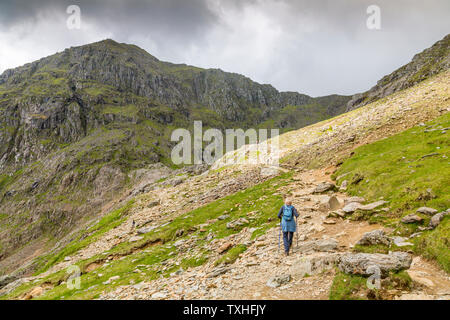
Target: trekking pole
<point x="296" y="229"/>
<point x="279" y="237"/>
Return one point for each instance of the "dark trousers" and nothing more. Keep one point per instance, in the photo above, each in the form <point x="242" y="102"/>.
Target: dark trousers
<point x="287" y="240"/>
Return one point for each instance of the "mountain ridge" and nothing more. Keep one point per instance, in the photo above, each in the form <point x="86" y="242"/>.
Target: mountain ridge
<point x="423" y="65"/>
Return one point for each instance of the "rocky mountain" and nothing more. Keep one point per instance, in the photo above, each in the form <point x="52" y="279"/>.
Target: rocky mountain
<point x="64" y="97"/>
<point x="425" y="64"/>
<point x="371" y="188"/>
<point x="85" y="182"/>
<point x="81" y="126"/>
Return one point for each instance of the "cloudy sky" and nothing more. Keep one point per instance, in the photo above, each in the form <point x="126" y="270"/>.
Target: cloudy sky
<point x="315" y="47"/>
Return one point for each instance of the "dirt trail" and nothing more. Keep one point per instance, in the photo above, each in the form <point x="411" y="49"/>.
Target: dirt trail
<point x="247" y="277"/>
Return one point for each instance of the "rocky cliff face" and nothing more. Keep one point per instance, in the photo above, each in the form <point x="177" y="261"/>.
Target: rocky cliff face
<point x="77" y="126"/>
<point x="429" y="62"/>
<point x="65" y="96"/>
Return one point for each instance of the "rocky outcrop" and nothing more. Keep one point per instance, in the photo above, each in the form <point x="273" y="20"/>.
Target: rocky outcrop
<point x="429" y="62"/>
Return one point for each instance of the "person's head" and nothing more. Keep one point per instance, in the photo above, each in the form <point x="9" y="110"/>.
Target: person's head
<point x="288" y="201"/>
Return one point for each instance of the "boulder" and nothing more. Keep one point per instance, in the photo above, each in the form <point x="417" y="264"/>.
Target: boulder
<point x="313" y="264"/>
<point x="324" y="186"/>
<point x="359" y="263"/>
<point x="334" y="203"/>
<point x="329" y="203"/>
<point x="437" y="218"/>
<point x="412" y="218"/>
<point x="351" y="207"/>
<point x="373" y="238"/>
<point x="343" y="186"/>
<point x="427" y="211"/>
<point x="278" y="281"/>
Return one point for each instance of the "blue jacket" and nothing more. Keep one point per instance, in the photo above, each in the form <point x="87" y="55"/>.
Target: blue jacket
<point x="288" y="226"/>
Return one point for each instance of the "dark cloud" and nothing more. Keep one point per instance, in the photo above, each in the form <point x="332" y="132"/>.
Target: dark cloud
<point x="316" y="47"/>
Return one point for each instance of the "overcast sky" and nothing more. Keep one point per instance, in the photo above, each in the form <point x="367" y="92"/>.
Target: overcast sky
<point x="315" y="47"/>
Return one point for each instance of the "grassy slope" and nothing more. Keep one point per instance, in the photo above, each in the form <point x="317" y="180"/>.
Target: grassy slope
<point x="155" y="254"/>
<point x="396" y="170"/>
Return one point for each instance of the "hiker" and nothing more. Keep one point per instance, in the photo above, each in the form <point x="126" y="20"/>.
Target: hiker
<point x="288" y="225"/>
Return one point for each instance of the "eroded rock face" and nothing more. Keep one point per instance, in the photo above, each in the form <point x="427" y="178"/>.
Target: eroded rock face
<point x="359" y="263"/>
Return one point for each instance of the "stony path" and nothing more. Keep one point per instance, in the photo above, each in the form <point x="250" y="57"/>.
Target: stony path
<point x="306" y="274"/>
<point x="247" y="277"/>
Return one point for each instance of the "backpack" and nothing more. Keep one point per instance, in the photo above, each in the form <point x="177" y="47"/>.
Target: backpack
<point x="288" y="212"/>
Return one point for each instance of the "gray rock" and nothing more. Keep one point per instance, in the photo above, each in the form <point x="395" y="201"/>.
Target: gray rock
<point x="235" y="223"/>
<point x="324" y="186"/>
<point x="354" y="199"/>
<point x="343" y="185"/>
<point x="374" y="237"/>
<point x="351" y="207"/>
<point x="373" y="205"/>
<point x="218" y="271"/>
<point x="146" y="229"/>
<point x="313" y="264"/>
<point x="437" y="218"/>
<point x="329" y="203"/>
<point x="426" y="210"/>
<point x="412" y="218"/>
<point x="278" y="281"/>
<point x="358" y="263"/>
<point x="318" y="245"/>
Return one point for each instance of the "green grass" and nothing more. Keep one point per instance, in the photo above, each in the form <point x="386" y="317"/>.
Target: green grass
<point x="157" y="246"/>
<point x="410" y="170"/>
<point x="87" y="237"/>
<point x="231" y="255"/>
<point x="354" y="287"/>
<point x="435" y="244"/>
<point x="347" y="287"/>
